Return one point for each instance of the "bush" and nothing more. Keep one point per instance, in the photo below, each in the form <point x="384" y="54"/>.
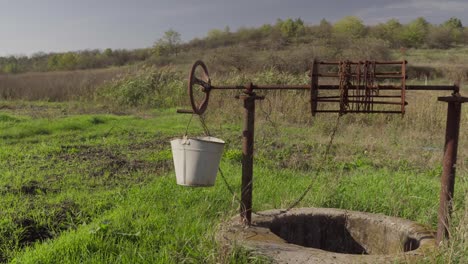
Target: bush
<point x="148" y="87"/>
<point x="367" y="49"/>
<point x="232" y="58"/>
<point x="440" y="38"/>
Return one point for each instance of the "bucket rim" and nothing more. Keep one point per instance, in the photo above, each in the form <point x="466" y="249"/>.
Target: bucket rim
<point x="208" y="139"/>
<point x="195" y="185"/>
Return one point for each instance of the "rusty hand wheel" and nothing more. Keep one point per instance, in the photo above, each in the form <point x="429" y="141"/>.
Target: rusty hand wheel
<point x="204" y="82"/>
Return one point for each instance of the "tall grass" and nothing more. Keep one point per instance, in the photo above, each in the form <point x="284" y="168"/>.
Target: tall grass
<point x="56" y="86"/>
<point x="96" y="174"/>
<point x="110" y="193"/>
<point x="146" y="88"/>
<point x="444" y="66"/>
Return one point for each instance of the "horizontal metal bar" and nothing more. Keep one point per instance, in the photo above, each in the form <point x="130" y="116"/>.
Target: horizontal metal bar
<point x="363" y="101"/>
<point x="360" y="96"/>
<point x="432" y="87"/>
<point x="228" y="87"/>
<point x="393" y="87"/>
<point x="335" y="74"/>
<point x="264" y="87"/>
<point x="362" y="62"/>
<point x="380" y="76"/>
<point x="389" y="77"/>
<point x="388" y="73"/>
<point x="457" y="99"/>
<point x="337" y="87"/>
<point x="359" y="111"/>
<point x="354" y="87"/>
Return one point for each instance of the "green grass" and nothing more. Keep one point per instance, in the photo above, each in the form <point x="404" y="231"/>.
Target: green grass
<point x="99" y="188"/>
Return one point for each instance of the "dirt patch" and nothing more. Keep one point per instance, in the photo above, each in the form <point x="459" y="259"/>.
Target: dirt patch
<point x="156" y="144"/>
<point x="66" y="215"/>
<point x="32" y="231"/>
<point x="29" y="188"/>
<point x="32" y="188"/>
<point x="112" y="163"/>
<point x="62" y="216"/>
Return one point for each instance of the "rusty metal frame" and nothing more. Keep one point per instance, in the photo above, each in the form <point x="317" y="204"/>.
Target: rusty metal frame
<point x="249" y="97"/>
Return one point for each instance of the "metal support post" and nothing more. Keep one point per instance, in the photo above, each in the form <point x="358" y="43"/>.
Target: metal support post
<point x="449" y="164"/>
<point x="247" y="156"/>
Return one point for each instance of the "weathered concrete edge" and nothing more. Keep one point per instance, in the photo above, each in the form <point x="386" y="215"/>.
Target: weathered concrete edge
<point x="262" y="241"/>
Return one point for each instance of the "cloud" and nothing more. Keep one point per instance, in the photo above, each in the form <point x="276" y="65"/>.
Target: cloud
<point x="430" y="5"/>
<point x="407" y="10"/>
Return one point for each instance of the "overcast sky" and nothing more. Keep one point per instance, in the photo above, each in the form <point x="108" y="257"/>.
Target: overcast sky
<point x="28" y="26"/>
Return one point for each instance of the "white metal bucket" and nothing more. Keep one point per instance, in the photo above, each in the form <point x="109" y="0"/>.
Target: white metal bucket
<point x="196" y="160"/>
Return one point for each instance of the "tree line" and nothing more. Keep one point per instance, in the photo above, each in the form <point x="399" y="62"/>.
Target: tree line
<point x="80" y="60"/>
<point x="418" y="33"/>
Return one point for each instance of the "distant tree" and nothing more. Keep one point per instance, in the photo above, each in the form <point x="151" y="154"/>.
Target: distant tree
<point x="414" y="33"/>
<point x="273" y="35"/>
<point x="453" y="22"/>
<point x="266" y="30"/>
<point x="11" y="67"/>
<point x="455" y="26"/>
<point x="439" y="37"/>
<point x="291" y="28"/>
<point x="108" y="52"/>
<point x="53" y="62"/>
<point x="389" y="31"/>
<point x="350" y="26"/>
<point x="214" y="34"/>
<point x="68" y="61"/>
<point x="168" y="45"/>
<point x="324" y="29"/>
<point x="464" y="38"/>
<point x="121" y="57"/>
<point x="64" y="61"/>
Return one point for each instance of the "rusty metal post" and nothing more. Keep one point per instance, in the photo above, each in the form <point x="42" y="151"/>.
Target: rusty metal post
<point x="247" y="159"/>
<point x="247" y="154"/>
<point x="449" y="164"/>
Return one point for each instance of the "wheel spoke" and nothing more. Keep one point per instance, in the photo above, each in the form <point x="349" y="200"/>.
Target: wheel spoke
<point x="200" y="82"/>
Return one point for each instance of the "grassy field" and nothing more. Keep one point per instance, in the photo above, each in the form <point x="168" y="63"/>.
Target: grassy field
<point x="78" y="185"/>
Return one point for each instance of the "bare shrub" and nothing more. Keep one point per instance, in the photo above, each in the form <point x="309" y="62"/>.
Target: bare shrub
<point x="55" y="86"/>
<point x="232" y="58"/>
<point x="367" y="49"/>
<point x="147" y="87"/>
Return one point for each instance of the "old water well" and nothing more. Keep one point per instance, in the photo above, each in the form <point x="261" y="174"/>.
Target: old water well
<point x="325" y="235"/>
<point x="313" y="235"/>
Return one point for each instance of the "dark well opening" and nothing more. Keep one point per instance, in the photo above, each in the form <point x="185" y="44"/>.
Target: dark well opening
<point x="338" y="233"/>
<point x="317" y="231"/>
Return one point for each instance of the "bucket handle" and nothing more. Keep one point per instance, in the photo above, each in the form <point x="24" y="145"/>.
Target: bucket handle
<point x="185" y="140"/>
